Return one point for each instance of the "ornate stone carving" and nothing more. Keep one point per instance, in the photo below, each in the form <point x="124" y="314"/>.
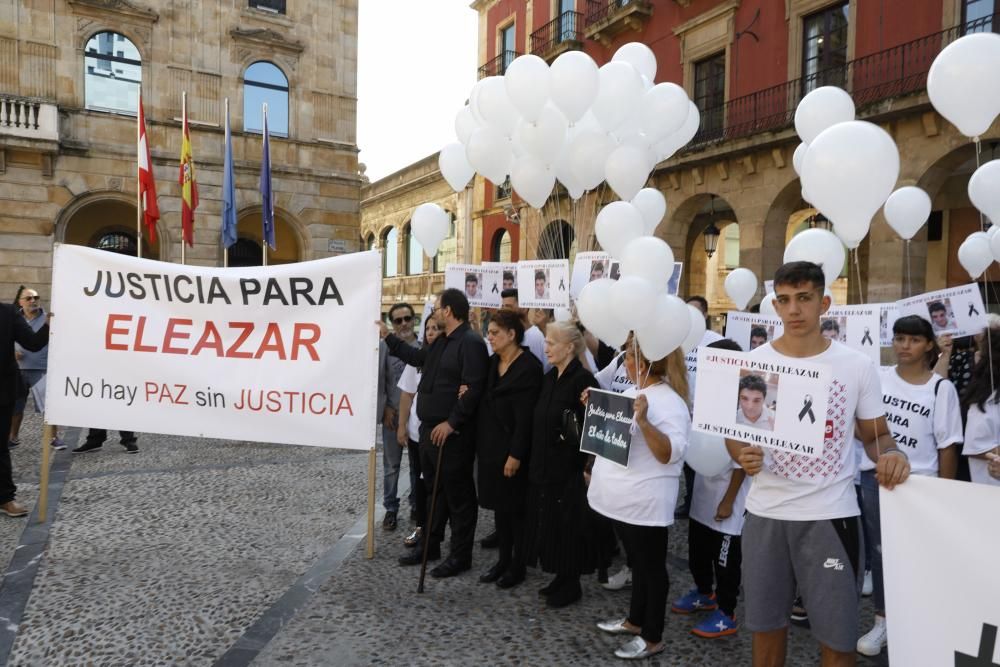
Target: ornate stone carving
<point x="267" y="38"/>
<point x="123" y="7"/>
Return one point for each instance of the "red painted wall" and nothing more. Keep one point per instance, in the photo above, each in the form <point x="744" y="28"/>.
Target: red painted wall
<point x="884" y="24"/>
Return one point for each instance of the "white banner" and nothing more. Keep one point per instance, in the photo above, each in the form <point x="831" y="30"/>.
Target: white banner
<point x="508" y="273"/>
<point x="957" y="311"/>
<point x="481" y="284"/>
<point x="285" y="353"/>
<point x="588" y="266"/>
<point x="940" y="545"/>
<point x="780" y="405"/>
<point x="751" y="330"/>
<point x="857" y="327"/>
<point x="544" y="283"/>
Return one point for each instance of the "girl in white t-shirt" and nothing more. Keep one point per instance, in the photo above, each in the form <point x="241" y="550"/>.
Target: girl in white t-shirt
<point x="922" y="411"/>
<point x="641" y="497"/>
<point x="982" y="430"/>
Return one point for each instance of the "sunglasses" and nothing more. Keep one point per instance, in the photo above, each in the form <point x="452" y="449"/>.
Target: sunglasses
<point x="400" y="320"/>
<point x="29" y="298"/>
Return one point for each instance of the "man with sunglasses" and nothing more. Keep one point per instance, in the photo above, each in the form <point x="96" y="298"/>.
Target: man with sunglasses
<point x="390" y="369"/>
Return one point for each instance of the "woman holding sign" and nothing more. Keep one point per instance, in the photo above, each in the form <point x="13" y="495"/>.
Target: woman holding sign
<point x="503" y="436"/>
<point x="641" y="497"/>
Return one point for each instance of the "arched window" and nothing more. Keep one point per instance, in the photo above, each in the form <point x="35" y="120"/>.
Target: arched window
<point x="370" y="242"/>
<point x="731" y="249"/>
<point x="112" y="73"/>
<point x="246" y="252"/>
<point x="264" y="83"/>
<point x="557" y="241"/>
<point x="500" y="251"/>
<point x="121" y="243"/>
<point x="414" y="253"/>
<point x="390" y="252"/>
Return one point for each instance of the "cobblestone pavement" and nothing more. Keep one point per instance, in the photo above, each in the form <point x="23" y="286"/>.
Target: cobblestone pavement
<point x="190" y="548"/>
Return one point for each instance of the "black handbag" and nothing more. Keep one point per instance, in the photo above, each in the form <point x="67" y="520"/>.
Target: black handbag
<point x="570" y="427"/>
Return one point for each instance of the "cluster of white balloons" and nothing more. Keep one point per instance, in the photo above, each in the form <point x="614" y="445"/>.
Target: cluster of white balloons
<point x="980" y="249"/>
<point x="573" y="122"/>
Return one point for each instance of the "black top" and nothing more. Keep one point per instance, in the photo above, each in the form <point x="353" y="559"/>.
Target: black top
<point x="451" y="361"/>
<point x="553" y="460"/>
<point x="14" y="328"/>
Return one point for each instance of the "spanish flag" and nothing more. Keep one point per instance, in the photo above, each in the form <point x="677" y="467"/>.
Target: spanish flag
<point x="189" y="187"/>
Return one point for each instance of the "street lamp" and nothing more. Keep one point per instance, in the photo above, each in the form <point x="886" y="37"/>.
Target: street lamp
<point x="711" y="235"/>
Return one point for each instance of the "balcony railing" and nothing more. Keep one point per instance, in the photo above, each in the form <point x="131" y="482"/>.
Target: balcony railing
<point x="895" y="72"/>
<point x="562" y="30"/>
<point x="28" y="119"/>
<point x="602" y="14"/>
<point x="276" y="6"/>
<point x="498" y="66"/>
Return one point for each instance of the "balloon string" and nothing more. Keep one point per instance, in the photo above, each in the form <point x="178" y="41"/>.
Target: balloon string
<point x="857" y="268"/>
<point x="986" y="284"/>
<point x="909" y="284"/>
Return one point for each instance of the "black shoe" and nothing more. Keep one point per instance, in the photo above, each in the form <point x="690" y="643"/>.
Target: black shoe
<point x="450" y="567"/>
<point x="416" y="556"/>
<point x="491" y="541"/>
<point x="551" y="588"/>
<point x="131" y="447"/>
<point x="390" y="520"/>
<point x="492" y="574"/>
<point x="565" y="595"/>
<point x="89" y="447"/>
<point x="511" y="578"/>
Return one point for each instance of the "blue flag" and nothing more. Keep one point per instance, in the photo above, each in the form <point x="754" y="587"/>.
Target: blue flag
<point x="228" y="192"/>
<point x="267" y="198"/>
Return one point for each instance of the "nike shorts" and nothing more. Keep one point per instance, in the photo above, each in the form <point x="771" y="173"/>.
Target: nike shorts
<point x="819" y="560"/>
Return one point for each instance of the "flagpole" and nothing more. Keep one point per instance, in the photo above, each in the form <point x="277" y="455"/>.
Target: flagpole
<point x="266" y="147"/>
<point x="225" y="248"/>
<point x="184" y="115"/>
<point x="138" y="177"/>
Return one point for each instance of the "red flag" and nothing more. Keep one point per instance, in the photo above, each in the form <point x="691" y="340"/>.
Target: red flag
<point x="147" y="184"/>
<point x="189" y="187"/>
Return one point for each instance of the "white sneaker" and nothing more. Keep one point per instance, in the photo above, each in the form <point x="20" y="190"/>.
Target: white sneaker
<point x="872" y="643"/>
<point x="620" y="580"/>
<point x="867" y="587"/>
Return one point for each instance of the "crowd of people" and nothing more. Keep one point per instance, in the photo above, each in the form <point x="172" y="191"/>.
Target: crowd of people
<point x="495" y="420"/>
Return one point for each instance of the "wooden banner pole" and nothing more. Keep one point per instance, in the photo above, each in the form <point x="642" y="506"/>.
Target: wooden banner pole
<point x="370" y="549"/>
<point x="43" y="486"/>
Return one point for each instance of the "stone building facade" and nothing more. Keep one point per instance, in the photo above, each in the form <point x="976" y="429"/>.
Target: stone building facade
<point x="69" y="76"/>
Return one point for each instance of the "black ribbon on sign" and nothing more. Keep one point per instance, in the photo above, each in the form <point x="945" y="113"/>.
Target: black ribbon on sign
<point x="972" y="309"/>
<point x="807" y="409"/>
<point x="867" y="340"/>
<point x="494" y="290"/>
<point x="562" y="285"/>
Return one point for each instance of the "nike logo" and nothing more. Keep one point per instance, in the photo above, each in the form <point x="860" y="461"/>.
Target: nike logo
<point x="833" y="563"/>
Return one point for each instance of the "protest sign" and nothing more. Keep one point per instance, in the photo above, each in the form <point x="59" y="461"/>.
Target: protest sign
<point x="888" y="314"/>
<point x="857" y="327"/>
<point x="775" y="404"/>
<point x="588" y="266"/>
<point x="957" y="311"/>
<point x="768" y="287"/>
<point x="480" y="284"/>
<point x="932" y="619"/>
<point x="751" y="330"/>
<point x="607" y="426"/>
<point x="508" y="273"/>
<point x="545" y="283"/>
<point x="285" y="353"/>
<point x="675" y="279"/>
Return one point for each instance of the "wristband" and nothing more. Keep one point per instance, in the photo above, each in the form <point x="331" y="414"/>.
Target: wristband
<point x="895" y="449"/>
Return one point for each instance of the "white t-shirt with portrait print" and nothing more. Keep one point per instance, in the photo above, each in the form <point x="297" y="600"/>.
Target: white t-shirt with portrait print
<point x="982" y="435"/>
<point x="792" y="487"/>
<point x="409" y="381"/>
<point x="920" y="422"/>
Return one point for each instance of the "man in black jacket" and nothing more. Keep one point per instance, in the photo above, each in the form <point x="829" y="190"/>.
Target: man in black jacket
<point x="456" y="361"/>
<point x="13" y="328"/>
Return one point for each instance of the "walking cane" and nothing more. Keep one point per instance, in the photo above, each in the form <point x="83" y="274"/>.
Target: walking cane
<point x="430" y="518"/>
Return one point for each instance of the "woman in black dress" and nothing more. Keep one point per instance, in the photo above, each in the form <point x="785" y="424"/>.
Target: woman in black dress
<point x="559" y="532"/>
<point x="503" y="438"/>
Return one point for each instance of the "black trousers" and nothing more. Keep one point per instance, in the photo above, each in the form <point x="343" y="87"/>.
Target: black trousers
<point x="510" y="525"/>
<point x="419" y="492"/>
<point x="100" y="435"/>
<point x="647" y="546"/>
<point x="456" y="499"/>
<point x="716" y="560"/>
<point x="7" y="488"/>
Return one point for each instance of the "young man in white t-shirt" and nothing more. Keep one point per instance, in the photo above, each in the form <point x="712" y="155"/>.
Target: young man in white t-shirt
<point x="802" y="527"/>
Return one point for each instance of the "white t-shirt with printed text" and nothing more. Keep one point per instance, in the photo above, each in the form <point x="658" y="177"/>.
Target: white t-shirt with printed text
<point x="409" y="381"/>
<point x="792" y="487"/>
<point x="982" y="435"/>
<point x="614" y="377"/>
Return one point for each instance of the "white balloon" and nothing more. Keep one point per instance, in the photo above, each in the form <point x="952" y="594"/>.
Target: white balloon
<point x="822" y="108"/>
<point x="667" y="330"/>
<point x="849" y="171"/>
<point x="663" y="110"/>
<point x="627" y="170"/>
<point x="992" y="234"/>
<point x="707" y="454"/>
<point x="653" y="206"/>
<point x="975" y="254"/>
<point x="489" y="152"/>
<point x="495" y="107"/>
<point x="679" y="139"/>
<point x="819" y="247"/>
<point x="640" y="56"/>
<point x="588" y="153"/>
<point x="563" y="169"/>
<point x="849" y="238"/>
<point x="455" y="166"/>
<point x="618" y="223"/>
<point x="465" y="124"/>
<point x="767" y="305"/>
<point x="991" y="231"/>
<point x="593" y="307"/>
<point x="431" y="225"/>
<point x="798" y="156"/>
<point x="619" y="93"/>
<point x="527" y="81"/>
<point x="697" y="331"/>
<point x="906" y="210"/>
<point x="543" y="138"/>
<point x="984" y="190"/>
<point x="574" y="84"/>
<point x="532" y="180"/>
<point x="962" y="82"/>
<point x="649" y="258"/>
<point x="741" y="285"/>
<point x="632" y="301"/>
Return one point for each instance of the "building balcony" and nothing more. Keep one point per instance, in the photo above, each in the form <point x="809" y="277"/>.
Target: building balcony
<point x="607" y="18"/>
<point x="871" y="80"/>
<point x="558" y="36"/>
<point x="498" y="66"/>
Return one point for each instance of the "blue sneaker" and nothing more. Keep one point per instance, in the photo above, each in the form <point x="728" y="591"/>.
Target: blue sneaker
<point x="693" y="602"/>
<point x="718" y="624"/>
